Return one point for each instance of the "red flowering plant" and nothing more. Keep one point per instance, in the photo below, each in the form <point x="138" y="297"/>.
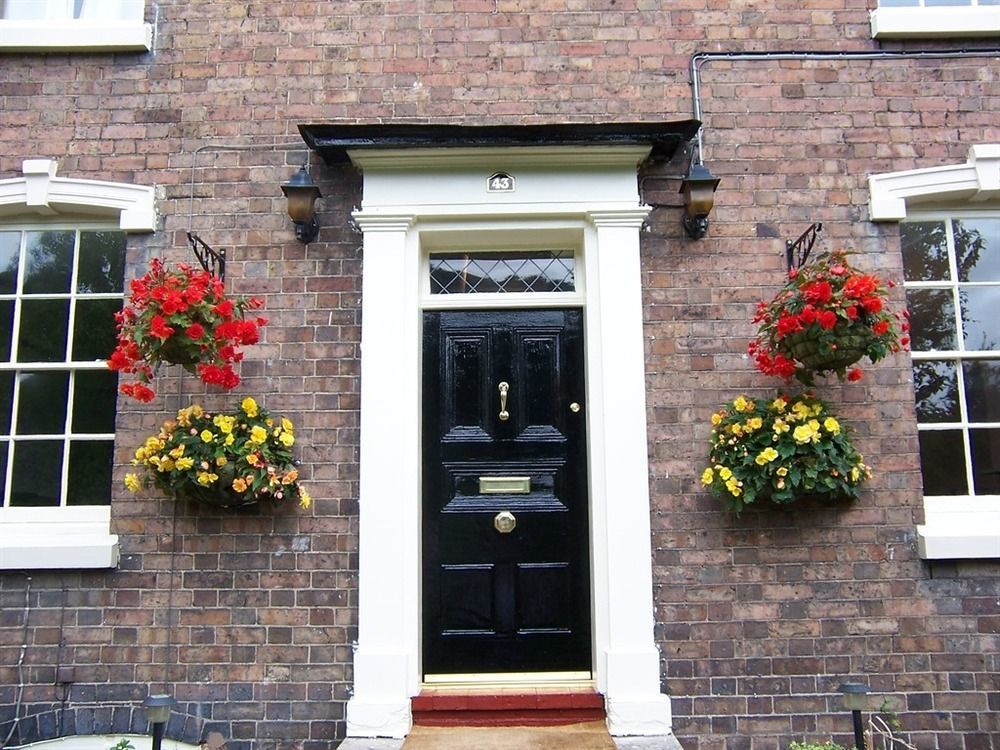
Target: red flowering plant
<point x="827" y="317"/>
<point x="182" y="316"/>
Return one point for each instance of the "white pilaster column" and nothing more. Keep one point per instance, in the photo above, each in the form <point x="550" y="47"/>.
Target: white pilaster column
<point x="628" y="659"/>
<point x="385" y="657"/>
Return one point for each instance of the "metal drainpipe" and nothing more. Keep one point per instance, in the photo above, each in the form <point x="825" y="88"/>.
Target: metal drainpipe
<point x="699" y="59"/>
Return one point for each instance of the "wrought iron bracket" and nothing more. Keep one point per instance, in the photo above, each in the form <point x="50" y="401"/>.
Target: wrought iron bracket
<point x="213" y="261"/>
<point x="797" y="252"/>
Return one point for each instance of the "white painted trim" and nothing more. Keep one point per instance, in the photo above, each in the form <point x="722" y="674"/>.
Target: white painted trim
<point x="103" y="742"/>
<point x="892" y="194"/>
<point x="75" y="36"/>
<point x="952" y="21"/>
<point x="419" y="200"/>
<point x="39" y="192"/>
<point x="54" y="538"/>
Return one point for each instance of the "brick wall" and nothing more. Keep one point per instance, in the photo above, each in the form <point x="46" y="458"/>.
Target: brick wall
<point x="761" y="617"/>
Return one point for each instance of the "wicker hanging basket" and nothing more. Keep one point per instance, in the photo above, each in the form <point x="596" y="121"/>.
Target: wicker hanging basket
<point x="807" y="350"/>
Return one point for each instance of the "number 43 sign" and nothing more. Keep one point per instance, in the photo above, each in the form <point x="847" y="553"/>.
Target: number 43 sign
<point x="500" y="182"/>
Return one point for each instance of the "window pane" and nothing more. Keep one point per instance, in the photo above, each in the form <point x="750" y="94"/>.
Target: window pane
<point x="942" y="462"/>
<point x="10" y="246"/>
<point x="41" y="407"/>
<point x="896" y="3"/>
<point x="982" y="388"/>
<point x="932" y="319"/>
<point x="925" y="251"/>
<point x="4" y="447"/>
<point x="94" y="329"/>
<point x="6" y="328"/>
<point x="22" y="10"/>
<point x="985" y="461"/>
<point x="933" y="3"/>
<point x="42" y="337"/>
<point x="481" y="273"/>
<point x="101" y="262"/>
<point x="90" y="465"/>
<point x="977" y="249"/>
<point x="49" y="262"/>
<point x="936" y="388"/>
<point x="6" y="404"/>
<point x="37" y="472"/>
<point x="981" y="318"/>
<point x="94" y="401"/>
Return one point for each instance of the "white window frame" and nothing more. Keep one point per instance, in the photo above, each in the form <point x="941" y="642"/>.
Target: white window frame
<point x="922" y="22"/>
<point x="421" y="200"/>
<point x="120" y="27"/>
<point x="72" y="536"/>
<point x="967" y="526"/>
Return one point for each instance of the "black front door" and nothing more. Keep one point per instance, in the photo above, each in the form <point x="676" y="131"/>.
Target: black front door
<point x="505" y="532"/>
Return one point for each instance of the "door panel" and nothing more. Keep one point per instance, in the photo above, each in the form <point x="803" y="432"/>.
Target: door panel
<point x="520" y="600"/>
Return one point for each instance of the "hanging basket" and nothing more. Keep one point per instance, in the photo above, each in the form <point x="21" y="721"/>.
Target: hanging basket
<point x="806" y="349"/>
<point x="220" y="494"/>
<point x="173" y="352"/>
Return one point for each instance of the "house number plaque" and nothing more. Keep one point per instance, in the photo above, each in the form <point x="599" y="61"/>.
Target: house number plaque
<point x="500" y="182"/>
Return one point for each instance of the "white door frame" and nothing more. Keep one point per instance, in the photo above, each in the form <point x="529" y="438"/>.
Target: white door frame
<point x="416" y="198"/>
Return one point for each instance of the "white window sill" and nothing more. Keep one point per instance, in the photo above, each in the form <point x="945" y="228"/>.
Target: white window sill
<point x="912" y="23"/>
<point x="75" y="36"/>
<point x="57" y="538"/>
<point x="959" y="528"/>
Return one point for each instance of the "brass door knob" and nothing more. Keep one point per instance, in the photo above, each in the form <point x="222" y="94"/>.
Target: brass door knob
<point x="504" y="522"/>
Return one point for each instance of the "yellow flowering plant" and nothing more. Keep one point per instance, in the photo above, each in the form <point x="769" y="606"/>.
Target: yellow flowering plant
<point x="221" y="459"/>
<point x="781" y="449"/>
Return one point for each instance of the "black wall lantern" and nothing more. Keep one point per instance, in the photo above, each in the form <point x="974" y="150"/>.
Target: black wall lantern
<point x="302" y="192"/>
<point x="699" y="197"/>
<point x="157" y="712"/>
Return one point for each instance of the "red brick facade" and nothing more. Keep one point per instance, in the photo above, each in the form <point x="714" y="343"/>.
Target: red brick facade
<point x="761" y="617"/>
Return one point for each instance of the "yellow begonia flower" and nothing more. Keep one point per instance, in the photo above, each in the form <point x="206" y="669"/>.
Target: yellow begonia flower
<point x="716" y="419"/>
<point x="780" y="426"/>
<point x="754" y="423"/>
<point x="287" y="439"/>
<point x="766" y="456"/>
<point x="831" y="425"/>
<point x="707" y="476"/>
<point x="183" y="464"/>
<point x="258" y="435"/>
<point x="205" y="478"/>
<point x="290" y="476"/>
<point x="178" y="451"/>
<point x="803" y="434"/>
<point x="239" y="484"/>
<point x="224" y="423"/>
<point x="132" y="483"/>
<point x="166" y="464"/>
<point x="726" y="473"/>
<point x="249" y="407"/>
<point x="221" y="461"/>
<point x="741" y="404"/>
<point x="286" y="425"/>
<point x="779" y="404"/>
<point x="782" y="471"/>
<point x="305" y="499"/>
<point x="207" y="436"/>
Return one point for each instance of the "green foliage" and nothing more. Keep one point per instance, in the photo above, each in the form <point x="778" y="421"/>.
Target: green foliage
<point x="123" y="744"/>
<point x="779" y="450"/>
<point x="816" y="746"/>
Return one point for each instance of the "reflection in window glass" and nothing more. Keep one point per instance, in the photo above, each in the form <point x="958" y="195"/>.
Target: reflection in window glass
<point x="10" y="253"/>
<point x="961" y="395"/>
<point x="932" y="319"/>
<point x="936" y="387"/>
<point x="94" y="329"/>
<point x="985" y="445"/>
<point x="942" y="454"/>
<point x="41" y="408"/>
<point x="90" y="466"/>
<point x="977" y="249"/>
<point x="980" y="317"/>
<point x="982" y="389"/>
<point x="49" y="261"/>
<point x="56" y="403"/>
<point x="101" y="263"/>
<point x="37" y="473"/>
<point x="925" y="251"/>
<point x="44" y="324"/>
<point x="94" y="402"/>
